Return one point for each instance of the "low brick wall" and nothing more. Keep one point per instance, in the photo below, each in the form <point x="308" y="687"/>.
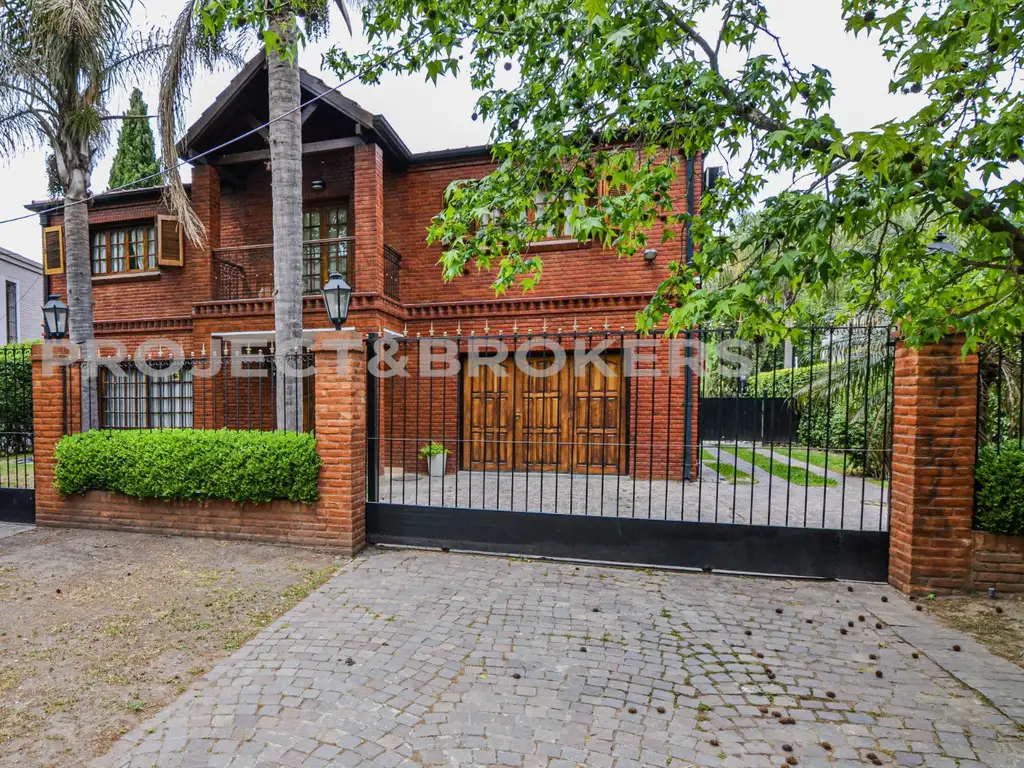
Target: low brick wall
<point x="337" y="521"/>
<point x="997" y="560"/>
<point x="282" y="522"/>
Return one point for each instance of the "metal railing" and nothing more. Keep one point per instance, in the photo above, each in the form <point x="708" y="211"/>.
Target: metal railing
<point x="632" y="435"/>
<point x="237" y="391"/>
<point x="247" y="272"/>
<point x="1000" y="401"/>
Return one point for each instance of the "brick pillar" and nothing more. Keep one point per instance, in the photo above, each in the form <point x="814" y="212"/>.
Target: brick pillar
<point x="206" y="204"/>
<point x="368" y="271"/>
<point x="934" y="433"/>
<point x="341" y="437"/>
<point x="48" y="407"/>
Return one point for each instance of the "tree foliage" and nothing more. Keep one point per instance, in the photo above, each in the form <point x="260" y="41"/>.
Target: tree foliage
<point x="622" y="90"/>
<point x="135" y="161"/>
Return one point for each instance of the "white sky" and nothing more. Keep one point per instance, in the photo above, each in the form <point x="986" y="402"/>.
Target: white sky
<point x="429" y="117"/>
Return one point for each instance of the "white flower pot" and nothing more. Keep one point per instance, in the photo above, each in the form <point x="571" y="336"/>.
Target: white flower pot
<point x="436" y="464"/>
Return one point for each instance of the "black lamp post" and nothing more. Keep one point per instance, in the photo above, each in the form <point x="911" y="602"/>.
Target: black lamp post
<point x="55" y="318"/>
<point x="337" y="294"/>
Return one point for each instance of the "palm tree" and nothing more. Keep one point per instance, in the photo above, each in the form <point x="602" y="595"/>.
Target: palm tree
<point x="193" y="40"/>
<point x="59" y="64"/>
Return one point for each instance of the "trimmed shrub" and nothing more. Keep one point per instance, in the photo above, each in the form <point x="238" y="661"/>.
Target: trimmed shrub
<point x="999" y="504"/>
<point x="190" y="464"/>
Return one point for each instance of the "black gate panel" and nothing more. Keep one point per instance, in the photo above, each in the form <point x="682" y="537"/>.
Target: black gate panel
<point x="749" y="419"/>
<point x="17" y="505"/>
<point x="798" y="552"/>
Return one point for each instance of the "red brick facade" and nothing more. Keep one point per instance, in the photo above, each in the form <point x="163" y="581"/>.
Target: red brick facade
<point x="997" y="560"/>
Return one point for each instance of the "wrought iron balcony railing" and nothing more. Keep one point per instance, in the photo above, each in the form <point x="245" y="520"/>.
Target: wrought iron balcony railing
<point x="247" y="272"/>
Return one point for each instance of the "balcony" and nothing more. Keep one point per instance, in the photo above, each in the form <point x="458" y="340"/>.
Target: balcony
<point x="247" y="272"/>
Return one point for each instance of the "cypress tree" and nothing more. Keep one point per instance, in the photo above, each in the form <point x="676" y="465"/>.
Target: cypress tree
<point x="136" y="153"/>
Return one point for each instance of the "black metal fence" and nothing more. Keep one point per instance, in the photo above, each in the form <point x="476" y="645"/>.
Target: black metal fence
<point x="16" y="466"/>
<point x="236" y="391"/>
<point x="622" y="438"/>
<point x="1000" y="401"/>
<point x="589" y="445"/>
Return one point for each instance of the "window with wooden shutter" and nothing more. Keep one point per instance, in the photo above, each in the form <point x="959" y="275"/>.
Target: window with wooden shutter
<point x="53" y="250"/>
<point x="170" y="247"/>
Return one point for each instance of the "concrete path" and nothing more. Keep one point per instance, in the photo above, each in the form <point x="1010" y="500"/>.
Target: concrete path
<point x="13" y="529"/>
<point x="430" y="659"/>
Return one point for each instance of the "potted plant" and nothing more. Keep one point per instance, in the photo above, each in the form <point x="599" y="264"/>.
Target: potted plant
<point x="437" y="458"/>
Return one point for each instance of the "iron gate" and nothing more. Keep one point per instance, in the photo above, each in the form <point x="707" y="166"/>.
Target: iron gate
<point x="17" y="477"/>
<point x="589" y="446"/>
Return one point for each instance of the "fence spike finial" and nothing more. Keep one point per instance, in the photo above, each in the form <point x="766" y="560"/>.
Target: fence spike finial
<point x="607" y="325"/>
<point x="431" y="331"/>
<point x="458" y="329"/>
<point x="487" y="327"/>
<point x="405" y="329"/>
<point x="515" y="326"/>
<point x="544" y="327"/>
<point x="575" y="324"/>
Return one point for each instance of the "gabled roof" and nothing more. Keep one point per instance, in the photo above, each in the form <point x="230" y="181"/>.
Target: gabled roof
<point x="21" y="261"/>
<point x="201" y="134"/>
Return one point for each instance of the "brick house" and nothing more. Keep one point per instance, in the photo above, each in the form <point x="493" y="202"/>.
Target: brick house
<point x="368" y="201"/>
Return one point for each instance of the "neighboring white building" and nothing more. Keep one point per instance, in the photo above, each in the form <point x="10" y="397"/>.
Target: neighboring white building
<point x="21" y="298"/>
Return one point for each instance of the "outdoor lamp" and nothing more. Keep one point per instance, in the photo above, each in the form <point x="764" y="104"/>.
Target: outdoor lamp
<point x="941" y="245"/>
<point x="337" y="294"/>
<point x="55" y="318"/>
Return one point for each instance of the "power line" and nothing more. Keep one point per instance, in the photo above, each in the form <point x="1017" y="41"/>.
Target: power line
<point x="221" y="146"/>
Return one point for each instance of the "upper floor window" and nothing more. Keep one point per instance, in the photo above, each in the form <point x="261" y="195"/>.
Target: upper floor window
<point x="124" y="250"/>
<point x="325" y="246"/>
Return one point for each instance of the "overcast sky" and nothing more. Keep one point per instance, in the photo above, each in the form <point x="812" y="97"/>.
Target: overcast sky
<point x="429" y="117"/>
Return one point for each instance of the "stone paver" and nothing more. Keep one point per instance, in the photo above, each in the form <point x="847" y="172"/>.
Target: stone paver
<point x="13" y="529"/>
<point x="421" y="658"/>
<point x="852" y="503"/>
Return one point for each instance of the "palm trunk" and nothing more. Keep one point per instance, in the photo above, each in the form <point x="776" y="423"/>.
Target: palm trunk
<point x="79" y="278"/>
<point x="286" y="183"/>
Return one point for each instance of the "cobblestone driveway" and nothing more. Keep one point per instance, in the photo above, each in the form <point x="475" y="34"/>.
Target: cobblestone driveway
<point x="416" y="658"/>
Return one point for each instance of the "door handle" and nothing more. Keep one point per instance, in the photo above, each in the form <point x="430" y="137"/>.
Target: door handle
<point x="518" y="416"/>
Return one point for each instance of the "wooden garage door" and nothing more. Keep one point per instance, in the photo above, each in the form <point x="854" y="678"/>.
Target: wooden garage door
<point x="554" y="423"/>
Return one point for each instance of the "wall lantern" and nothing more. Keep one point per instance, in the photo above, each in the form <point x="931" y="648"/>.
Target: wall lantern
<point x="650" y="255"/>
<point x="55" y="318"/>
<point x="319" y="185"/>
<point x="337" y="294"/>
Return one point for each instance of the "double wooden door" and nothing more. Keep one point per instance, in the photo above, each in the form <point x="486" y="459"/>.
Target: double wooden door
<point x="556" y="422"/>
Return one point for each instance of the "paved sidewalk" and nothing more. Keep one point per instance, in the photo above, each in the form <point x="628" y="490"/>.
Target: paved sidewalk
<point x="13" y="529"/>
<point x="419" y="658"/>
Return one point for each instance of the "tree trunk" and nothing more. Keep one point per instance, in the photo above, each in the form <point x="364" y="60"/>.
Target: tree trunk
<point x="286" y="183"/>
<point x="79" y="279"/>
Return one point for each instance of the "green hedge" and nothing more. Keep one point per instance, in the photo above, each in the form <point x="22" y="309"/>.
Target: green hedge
<point x="190" y="464"/>
<point x="1000" y="499"/>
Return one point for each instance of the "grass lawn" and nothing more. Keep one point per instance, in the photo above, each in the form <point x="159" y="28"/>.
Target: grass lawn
<point x="17" y="475"/>
<point x="817" y="458"/>
<point x="100" y="630"/>
<point x="728" y="471"/>
<point x="793" y="474"/>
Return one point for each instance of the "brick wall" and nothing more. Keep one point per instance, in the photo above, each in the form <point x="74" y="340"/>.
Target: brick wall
<point x="335" y="521"/>
<point x="413" y="198"/>
<point x="997" y="560"/>
<point x="934" y="430"/>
